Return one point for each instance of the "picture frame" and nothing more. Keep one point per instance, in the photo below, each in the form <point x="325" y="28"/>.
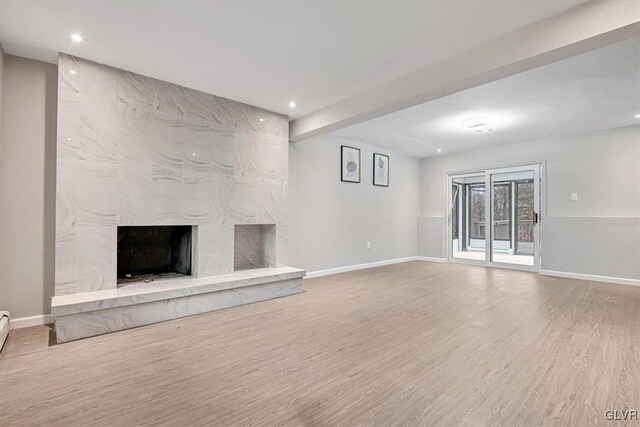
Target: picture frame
<point x="350" y="165"/>
<point x="380" y="170"/>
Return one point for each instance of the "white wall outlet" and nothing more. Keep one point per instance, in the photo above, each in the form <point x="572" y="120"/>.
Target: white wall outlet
<point x="368" y="244"/>
<point x="574" y="196"/>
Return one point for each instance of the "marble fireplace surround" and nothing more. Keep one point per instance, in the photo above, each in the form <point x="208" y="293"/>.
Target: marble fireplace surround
<point x="133" y="151"/>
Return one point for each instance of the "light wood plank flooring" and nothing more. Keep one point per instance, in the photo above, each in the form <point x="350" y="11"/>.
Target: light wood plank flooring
<point x="408" y="344"/>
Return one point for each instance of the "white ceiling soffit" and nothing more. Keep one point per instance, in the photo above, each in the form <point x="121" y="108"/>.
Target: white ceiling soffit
<point x="266" y="53"/>
<point x="581" y="29"/>
<point x="596" y="90"/>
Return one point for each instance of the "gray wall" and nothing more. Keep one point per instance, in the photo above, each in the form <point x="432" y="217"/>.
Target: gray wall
<point x="599" y="234"/>
<point x="330" y="221"/>
<point x="27" y="192"/>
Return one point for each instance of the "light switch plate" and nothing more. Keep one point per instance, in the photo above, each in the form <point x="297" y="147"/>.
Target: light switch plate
<point x="574" y="196"/>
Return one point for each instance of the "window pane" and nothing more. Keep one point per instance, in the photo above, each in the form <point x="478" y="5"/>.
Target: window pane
<point x="454" y="212"/>
<point x="476" y="212"/>
<point x="501" y="212"/>
<point x="525" y="211"/>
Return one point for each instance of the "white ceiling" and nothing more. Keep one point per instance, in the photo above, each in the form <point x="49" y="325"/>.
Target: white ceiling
<point x="266" y="53"/>
<point x="596" y="90"/>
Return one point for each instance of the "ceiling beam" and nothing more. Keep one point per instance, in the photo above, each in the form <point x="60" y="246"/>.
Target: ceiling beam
<point x="578" y="30"/>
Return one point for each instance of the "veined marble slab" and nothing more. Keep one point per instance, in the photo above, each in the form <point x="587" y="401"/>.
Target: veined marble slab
<point x="94" y="313"/>
<point x="139" y="293"/>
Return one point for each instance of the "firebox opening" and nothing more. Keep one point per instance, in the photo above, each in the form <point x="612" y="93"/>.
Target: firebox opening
<point x="150" y="252"/>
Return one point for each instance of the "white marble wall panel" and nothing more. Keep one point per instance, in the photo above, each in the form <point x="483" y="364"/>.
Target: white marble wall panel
<point x="271" y="204"/>
<point x="243" y="203"/>
<point x="66" y="276"/>
<point x="96" y="258"/>
<point x="133" y="150"/>
<point x="97" y="202"/>
<point x="272" y="156"/>
<point x="282" y="243"/>
<point x="66" y="192"/>
<point x="212" y="245"/>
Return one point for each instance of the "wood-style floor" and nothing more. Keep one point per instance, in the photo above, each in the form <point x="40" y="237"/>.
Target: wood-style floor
<point x="413" y="344"/>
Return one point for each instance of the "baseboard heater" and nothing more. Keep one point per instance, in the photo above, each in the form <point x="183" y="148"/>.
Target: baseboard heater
<point x="4" y="327"/>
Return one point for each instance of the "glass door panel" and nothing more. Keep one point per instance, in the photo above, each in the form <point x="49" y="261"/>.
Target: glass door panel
<point x="513" y="217"/>
<point x="467" y="217"/>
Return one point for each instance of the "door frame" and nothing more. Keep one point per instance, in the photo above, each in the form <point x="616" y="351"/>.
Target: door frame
<point x="539" y="169"/>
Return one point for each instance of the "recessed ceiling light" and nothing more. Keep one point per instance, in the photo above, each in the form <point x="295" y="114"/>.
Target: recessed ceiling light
<point x="77" y="37"/>
<point x="68" y="139"/>
<point x="74" y="72"/>
<point x="292" y="104"/>
<point x="477" y="124"/>
<point x="261" y="119"/>
<point x="637" y="116"/>
<point x="439" y="150"/>
<point x="193" y="154"/>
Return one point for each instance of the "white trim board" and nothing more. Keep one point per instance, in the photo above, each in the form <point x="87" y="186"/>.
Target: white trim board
<point x="320" y="273"/>
<point x="430" y="259"/>
<point x="591" y="277"/>
<point x="580" y="276"/>
<point x="25" y="322"/>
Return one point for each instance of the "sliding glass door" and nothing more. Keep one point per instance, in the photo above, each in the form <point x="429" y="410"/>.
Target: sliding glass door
<point x="493" y="217"/>
<point x="468" y="217"/>
<point x="514" y="215"/>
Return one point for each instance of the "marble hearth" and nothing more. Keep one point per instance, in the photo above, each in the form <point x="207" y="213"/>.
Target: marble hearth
<point x="133" y="151"/>
<point x="94" y="313"/>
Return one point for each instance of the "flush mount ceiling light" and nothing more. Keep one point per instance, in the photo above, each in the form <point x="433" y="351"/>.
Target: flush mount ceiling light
<point x="77" y="37"/>
<point x="477" y="124"/>
<point x="292" y="104"/>
<point x="261" y="119"/>
<point x="479" y="120"/>
<point x="439" y="150"/>
<point x="637" y="116"/>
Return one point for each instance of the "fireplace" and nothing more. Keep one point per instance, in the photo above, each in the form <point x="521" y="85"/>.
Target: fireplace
<point x="202" y="204"/>
<point x="150" y="252"/>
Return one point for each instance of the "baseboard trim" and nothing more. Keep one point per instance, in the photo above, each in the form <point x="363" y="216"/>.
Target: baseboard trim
<point x="25" y="322"/>
<point x="430" y="259"/>
<point x="346" y="268"/>
<point x="592" y="277"/>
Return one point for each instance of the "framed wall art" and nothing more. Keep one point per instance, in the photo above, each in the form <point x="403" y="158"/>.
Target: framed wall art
<point x="350" y="160"/>
<point x="380" y="170"/>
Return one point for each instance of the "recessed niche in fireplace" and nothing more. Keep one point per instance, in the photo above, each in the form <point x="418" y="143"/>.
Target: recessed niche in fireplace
<point x="149" y="252"/>
<point x="254" y="246"/>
